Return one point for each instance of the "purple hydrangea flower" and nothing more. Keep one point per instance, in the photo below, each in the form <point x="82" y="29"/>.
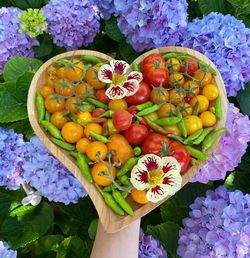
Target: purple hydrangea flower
<point x="46" y="174"/>
<point x="226" y="41"/>
<point x="5" y="252"/>
<point x="218" y="226"/>
<point x="106" y="8"/>
<point x="12" y="156"/>
<point x="12" y="42"/>
<point x="148" y="24"/>
<point x="230" y="150"/>
<point x="150" y="247"/>
<point x="72" y="23"/>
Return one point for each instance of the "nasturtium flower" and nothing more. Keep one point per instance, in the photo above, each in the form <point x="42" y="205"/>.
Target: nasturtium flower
<point x="121" y="83"/>
<point x="160" y="176"/>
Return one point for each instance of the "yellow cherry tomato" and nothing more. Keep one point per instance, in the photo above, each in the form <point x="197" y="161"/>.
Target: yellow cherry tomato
<point x="82" y="145"/>
<point x="174" y="128"/>
<point x="186" y="109"/>
<point x="96" y="151"/>
<point x="192" y="88"/>
<point x="176" y="79"/>
<point x="192" y="124"/>
<point x="210" y="91"/>
<point x="166" y="110"/>
<point x="92" y="127"/>
<point x="72" y="132"/>
<point x="204" y="77"/>
<point x="85" y="117"/>
<point x="176" y="96"/>
<point x="173" y="65"/>
<point x="208" y="118"/>
<point x="203" y="102"/>
<point x="118" y="104"/>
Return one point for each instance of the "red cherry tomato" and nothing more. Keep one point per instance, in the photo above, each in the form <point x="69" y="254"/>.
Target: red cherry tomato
<point x="101" y="96"/>
<point x="136" y="134"/>
<point x="122" y="120"/>
<point x="141" y="96"/>
<point x="155" y="71"/>
<point x="153" y="143"/>
<point x="132" y="110"/>
<point x="190" y="66"/>
<point x="98" y="112"/>
<point x="181" y="154"/>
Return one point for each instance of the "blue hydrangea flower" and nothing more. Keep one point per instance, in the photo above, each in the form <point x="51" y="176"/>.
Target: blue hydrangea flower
<point x="47" y="175"/>
<point x="218" y="226"/>
<point x="12" y="42"/>
<point x="226" y="157"/>
<point x="106" y="8"/>
<point x="226" y="41"/>
<point x="149" y="24"/>
<point x="72" y="23"/>
<point x="6" y="252"/>
<point x="12" y="156"/>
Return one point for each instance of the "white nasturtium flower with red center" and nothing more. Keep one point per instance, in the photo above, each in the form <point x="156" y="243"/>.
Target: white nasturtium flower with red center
<point x="121" y="83"/>
<point x="160" y="176"/>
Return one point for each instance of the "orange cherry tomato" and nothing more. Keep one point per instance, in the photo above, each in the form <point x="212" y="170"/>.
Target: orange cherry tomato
<point x="176" y="79"/>
<point x="51" y="70"/>
<point x="45" y="91"/>
<point x="50" y="80"/>
<point x="186" y="109"/>
<point x="118" y="104"/>
<point x="84" y="116"/>
<point x="72" y="132"/>
<point x="166" y="110"/>
<point x="75" y="73"/>
<point x="60" y="73"/>
<point x="58" y="119"/>
<point x="204" y="77"/>
<point x="84" y="90"/>
<point x="173" y="65"/>
<point x="92" y="127"/>
<point x="52" y="104"/>
<point x="203" y="102"/>
<point x="158" y="95"/>
<point x="91" y="77"/>
<point x="208" y="118"/>
<point x="96" y="151"/>
<point x="71" y="105"/>
<point x="64" y="87"/>
<point x="192" y="88"/>
<point x="82" y="145"/>
<point x="101" y="173"/>
<point x="176" y="96"/>
<point x="139" y="196"/>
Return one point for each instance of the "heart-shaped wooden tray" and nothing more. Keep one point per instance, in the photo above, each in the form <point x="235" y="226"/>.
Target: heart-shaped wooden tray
<point x="110" y="221"/>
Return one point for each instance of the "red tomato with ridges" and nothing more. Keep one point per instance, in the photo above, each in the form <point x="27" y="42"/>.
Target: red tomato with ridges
<point x="101" y="96"/>
<point x="136" y="134"/>
<point x="122" y="120"/>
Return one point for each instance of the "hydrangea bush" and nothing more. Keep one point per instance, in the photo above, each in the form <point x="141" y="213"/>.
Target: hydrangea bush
<point x="6" y="252"/>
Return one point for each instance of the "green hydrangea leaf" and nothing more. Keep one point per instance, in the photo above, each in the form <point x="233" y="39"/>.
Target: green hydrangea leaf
<point x="221" y="6"/>
<point x="93" y="228"/>
<point x="243" y="98"/>
<point x="112" y="30"/>
<point x="23" y="85"/>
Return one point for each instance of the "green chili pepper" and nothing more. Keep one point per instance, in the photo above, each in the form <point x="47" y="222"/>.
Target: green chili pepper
<point x="208" y="67"/>
<point x="149" y="110"/>
<point x="97" y="103"/>
<point x="107" y="189"/>
<point x="194" y="162"/>
<point x="62" y="144"/>
<point x="196" y="153"/>
<point x="84" y="167"/>
<point x="154" y="126"/>
<point x="73" y="154"/>
<point x="196" y="109"/>
<point x="175" y="55"/>
<point x="218" y="108"/>
<point x="202" y="136"/>
<point x="136" y="67"/>
<point x="124" y="180"/>
<point x="99" y="137"/>
<point x="181" y="124"/>
<point x="108" y="113"/>
<point x="47" y="116"/>
<point x="110" y="201"/>
<point x="137" y="151"/>
<point x="92" y="59"/>
<point x="76" y="119"/>
<point x="128" y="166"/>
<point x="212" y="138"/>
<point x="193" y="136"/>
<point x="168" y="121"/>
<point x="122" y="202"/>
<point x="176" y="137"/>
<point x="40" y="107"/>
<point x="125" y="194"/>
<point x="55" y="132"/>
<point x="144" y="105"/>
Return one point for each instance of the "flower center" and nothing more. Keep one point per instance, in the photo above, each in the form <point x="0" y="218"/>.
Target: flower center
<point x="118" y="79"/>
<point x="155" y="177"/>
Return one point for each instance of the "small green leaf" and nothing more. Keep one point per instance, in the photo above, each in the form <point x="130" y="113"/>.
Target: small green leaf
<point x="17" y="65"/>
<point x="238" y="180"/>
<point x="93" y="228"/>
<point x="220" y="6"/>
<point x="22" y="4"/>
<point x="45" y="48"/>
<point x="235" y="3"/>
<point x="112" y="30"/>
<point x="168" y="234"/>
<point x="127" y="52"/>
<point x="243" y="98"/>
<point x="23" y="85"/>
<point x="35" y="3"/>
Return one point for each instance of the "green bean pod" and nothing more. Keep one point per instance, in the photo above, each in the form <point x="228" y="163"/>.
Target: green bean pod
<point x="136" y="67"/>
<point x="128" y="166"/>
<point x="137" y="151"/>
<point x="202" y="136"/>
<point x="97" y="103"/>
<point x="176" y="55"/>
<point x="208" y="67"/>
<point x="122" y="202"/>
<point x="110" y="201"/>
<point x="91" y="58"/>
<point x="76" y="119"/>
<point x="125" y="194"/>
<point x="193" y="136"/>
<point x="145" y="105"/>
<point x="40" y="107"/>
<point x="212" y="138"/>
<point x="149" y="110"/>
<point x="181" y="124"/>
<point x="194" y="162"/>
<point x="64" y="145"/>
<point x="54" y="131"/>
<point x="107" y="189"/>
<point x="108" y="113"/>
<point x="99" y="137"/>
<point x="84" y="167"/>
<point x="196" y="153"/>
<point x="176" y="138"/>
<point x="168" y="121"/>
<point x="218" y="108"/>
<point x="73" y="154"/>
<point x="47" y="116"/>
<point x="154" y="126"/>
<point x="196" y="109"/>
<point x="124" y="180"/>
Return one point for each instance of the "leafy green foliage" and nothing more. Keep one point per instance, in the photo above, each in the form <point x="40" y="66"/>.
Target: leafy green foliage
<point x="93" y="228"/>
<point x="112" y="30"/>
<point x="127" y="52"/>
<point x="238" y="180"/>
<point x="243" y="98"/>
<point x="220" y="6"/>
<point x="46" y="47"/>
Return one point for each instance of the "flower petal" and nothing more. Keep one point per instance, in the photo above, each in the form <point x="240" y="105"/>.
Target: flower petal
<point x="105" y="73"/>
<point x="116" y="92"/>
<point x="170" y="164"/>
<point x="119" y="66"/>
<point x="156" y="194"/>
<point x="172" y="182"/>
<point x="132" y="87"/>
<point x="150" y="162"/>
<point x="139" y="178"/>
<point x="135" y="76"/>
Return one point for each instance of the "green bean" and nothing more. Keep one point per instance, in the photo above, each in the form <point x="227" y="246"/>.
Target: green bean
<point x="97" y="103"/>
<point x="218" y="108"/>
<point x="108" y="113"/>
<point x="137" y="151"/>
<point x="136" y="67"/>
<point x="149" y="110"/>
<point x="91" y="58"/>
<point x="142" y="106"/>
<point x="193" y="136"/>
<point x="128" y="166"/>
<point x="76" y="119"/>
<point x="212" y="109"/>
<point x="197" y="153"/>
<point x="194" y="162"/>
<point x="168" y="121"/>
<point x="181" y="124"/>
<point x="110" y="201"/>
<point x="208" y="67"/>
<point x="202" y="136"/>
<point x="154" y="126"/>
<point x="73" y="154"/>
<point x="40" y="107"/>
<point x="176" y="137"/>
<point x="55" y="132"/>
<point x="125" y="194"/>
<point x="62" y="144"/>
<point x="124" y="180"/>
<point x="99" y="137"/>
<point x="47" y="116"/>
<point x="107" y="189"/>
<point x="196" y="109"/>
<point x="212" y="138"/>
<point x="86" y="106"/>
<point x="84" y="167"/>
<point x="175" y="55"/>
<point x="122" y="202"/>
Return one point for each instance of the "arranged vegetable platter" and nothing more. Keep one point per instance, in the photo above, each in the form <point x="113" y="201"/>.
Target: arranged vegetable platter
<point x="132" y="135"/>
